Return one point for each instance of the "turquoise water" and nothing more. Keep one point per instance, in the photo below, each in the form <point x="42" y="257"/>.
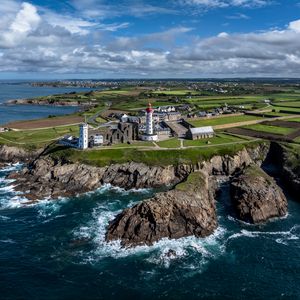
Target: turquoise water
<point x="56" y="250"/>
<point x="17" y="90"/>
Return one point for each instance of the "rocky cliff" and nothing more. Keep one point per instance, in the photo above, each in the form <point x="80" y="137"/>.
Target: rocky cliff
<point x="48" y="177"/>
<point x="256" y="196"/>
<point x="10" y="154"/>
<point x="189" y="209"/>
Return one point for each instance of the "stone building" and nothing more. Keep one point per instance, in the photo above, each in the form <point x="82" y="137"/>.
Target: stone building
<point x="118" y="133"/>
<point x="200" y="133"/>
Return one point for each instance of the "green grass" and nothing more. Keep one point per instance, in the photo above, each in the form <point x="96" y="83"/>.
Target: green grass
<point x="222" y="120"/>
<point x="194" y="180"/>
<point x="294" y="104"/>
<point x="220" y="138"/>
<point x="297" y="140"/>
<point x="133" y="145"/>
<point x="38" y="138"/>
<point x="294" y="120"/>
<point x="289" y="109"/>
<point x="155" y="157"/>
<point x="176" y="92"/>
<point x="171" y="143"/>
<point x="271" y="129"/>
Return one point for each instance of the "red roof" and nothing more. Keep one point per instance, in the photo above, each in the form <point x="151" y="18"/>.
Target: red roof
<point x="149" y="109"/>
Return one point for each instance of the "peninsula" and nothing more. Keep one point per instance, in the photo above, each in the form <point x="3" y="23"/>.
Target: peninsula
<point x="182" y="140"/>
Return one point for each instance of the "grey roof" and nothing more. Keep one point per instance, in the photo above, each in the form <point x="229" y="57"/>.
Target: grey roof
<point x="202" y="130"/>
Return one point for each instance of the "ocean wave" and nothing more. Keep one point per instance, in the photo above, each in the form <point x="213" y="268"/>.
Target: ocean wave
<point x="11" y="168"/>
<point x="163" y="252"/>
<point x="282" y="237"/>
<point x="47" y="207"/>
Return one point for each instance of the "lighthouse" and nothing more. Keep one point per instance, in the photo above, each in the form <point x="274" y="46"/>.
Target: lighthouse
<point x="83" y="136"/>
<point x="149" y="120"/>
<point x="149" y="133"/>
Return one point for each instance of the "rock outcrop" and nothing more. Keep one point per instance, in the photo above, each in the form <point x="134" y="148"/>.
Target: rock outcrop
<point x="48" y="177"/>
<point x="256" y="196"/>
<point x="189" y="209"/>
<point x="10" y="154"/>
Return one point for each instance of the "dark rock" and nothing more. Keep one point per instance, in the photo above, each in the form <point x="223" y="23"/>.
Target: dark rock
<point x="256" y="196"/>
<point x="189" y="209"/>
<point x="9" y="154"/>
<point x="47" y="177"/>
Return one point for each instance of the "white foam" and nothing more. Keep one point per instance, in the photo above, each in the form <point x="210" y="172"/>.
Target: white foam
<point x="162" y="253"/>
<point x="11" y="167"/>
<point x="281" y="237"/>
<point x="48" y="207"/>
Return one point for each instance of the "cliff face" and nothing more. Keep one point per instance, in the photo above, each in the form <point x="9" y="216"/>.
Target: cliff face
<point x="189" y="209"/>
<point x="46" y="177"/>
<point x="9" y="154"/>
<point x="287" y="162"/>
<point x="256" y="196"/>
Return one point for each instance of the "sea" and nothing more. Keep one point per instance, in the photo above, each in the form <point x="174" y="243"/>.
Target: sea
<point x="10" y="90"/>
<point x="56" y="249"/>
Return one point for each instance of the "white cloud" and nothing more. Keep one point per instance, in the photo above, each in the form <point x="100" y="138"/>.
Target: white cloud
<point x="295" y="26"/>
<point x="38" y="40"/>
<point x="225" y="3"/>
<point x="26" y="21"/>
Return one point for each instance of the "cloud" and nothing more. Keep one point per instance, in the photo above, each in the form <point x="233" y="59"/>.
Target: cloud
<point x="225" y="3"/>
<point x="26" y="21"/>
<point x="101" y="9"/>
<point x="238" y="16"/>
<point x="295" y="26"/>
<point x="35" y="39"/>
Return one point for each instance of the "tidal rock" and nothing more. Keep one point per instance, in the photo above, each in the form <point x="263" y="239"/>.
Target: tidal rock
<point x="187" y="210"/>
<point x="256" y="196"/>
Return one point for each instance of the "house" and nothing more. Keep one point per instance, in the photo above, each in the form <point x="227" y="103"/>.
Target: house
<point x="200" y="133"/>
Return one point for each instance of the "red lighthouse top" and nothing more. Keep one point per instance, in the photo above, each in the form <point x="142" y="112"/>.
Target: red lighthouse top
<point x="149" y="109"/>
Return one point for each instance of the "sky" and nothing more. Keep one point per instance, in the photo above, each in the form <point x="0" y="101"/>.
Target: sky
<point x="106" y="39"/>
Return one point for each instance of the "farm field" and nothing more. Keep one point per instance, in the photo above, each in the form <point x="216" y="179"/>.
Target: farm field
<point x="36" y="138"/>
<point x="286" y="109"/>
<point x="294" y="120"/>
<point x="294" y="104"/>
<point x="270" y="129"/>
<point x="48" y="122"/>
<point x="223" y="120"/>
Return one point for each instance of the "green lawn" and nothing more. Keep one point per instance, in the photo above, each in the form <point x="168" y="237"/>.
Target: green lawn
<point x="133" y="145"/>
<point x="36" y="137"/>
<point x="222" y="120"/>
<point x="171" y="143"/>
<point x="220" y="138"/>
<point x="271" y="129"/>
<point x="156" y="157"/>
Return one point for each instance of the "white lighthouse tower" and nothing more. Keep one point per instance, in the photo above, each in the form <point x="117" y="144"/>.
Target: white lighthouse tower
<point x="83" y="142"/>
<point x="149" y="134"/>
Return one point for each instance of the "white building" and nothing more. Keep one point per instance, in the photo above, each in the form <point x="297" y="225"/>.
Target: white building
<point x="98" y="139"/>
<point x="149" y="134"/>
<point x="83" y="142"/>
